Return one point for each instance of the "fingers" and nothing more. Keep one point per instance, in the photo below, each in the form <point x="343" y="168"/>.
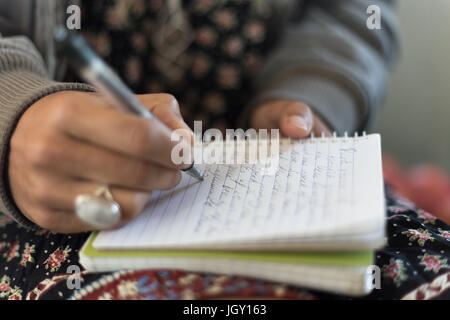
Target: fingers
<point x="293" y="118"/>
<point x="71" y="143"/>
<point x="296" y="120"/>
<point x="267" y="116"/>
<point x="91" y="121"/>
<point x="59" y="221"/>
<point x="81" y="160"/>
<point x="166" y="108"/>
<point x="54" y="209"/>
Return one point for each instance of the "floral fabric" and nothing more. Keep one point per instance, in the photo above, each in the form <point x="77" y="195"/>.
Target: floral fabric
<point x="35" y="265"/>
<point x="228" y="41"/>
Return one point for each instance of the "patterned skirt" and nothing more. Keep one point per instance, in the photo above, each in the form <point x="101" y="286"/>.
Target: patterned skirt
<point x="38" y="265"/>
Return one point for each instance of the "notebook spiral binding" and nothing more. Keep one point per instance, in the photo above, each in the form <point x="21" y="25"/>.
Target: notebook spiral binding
<point x="323" y="138"/>
<point x="312" y="138"/>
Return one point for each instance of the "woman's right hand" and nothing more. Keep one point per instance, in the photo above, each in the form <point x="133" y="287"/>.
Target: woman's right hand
<point x="71" y="143"/>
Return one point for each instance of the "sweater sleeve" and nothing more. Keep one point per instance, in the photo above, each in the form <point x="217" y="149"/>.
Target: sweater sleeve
<point x="330" y="60"/>
<point x="23" y="80"/>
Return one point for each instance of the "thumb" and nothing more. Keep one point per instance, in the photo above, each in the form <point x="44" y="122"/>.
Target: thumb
<point x="296" y="120"/>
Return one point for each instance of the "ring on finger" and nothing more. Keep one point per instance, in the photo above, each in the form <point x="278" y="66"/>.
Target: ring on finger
<point x="99" y="210"/>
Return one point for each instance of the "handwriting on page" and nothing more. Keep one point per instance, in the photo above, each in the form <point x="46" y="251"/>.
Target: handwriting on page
<point x="311" y="179"/>
<point x="313" y="187"/>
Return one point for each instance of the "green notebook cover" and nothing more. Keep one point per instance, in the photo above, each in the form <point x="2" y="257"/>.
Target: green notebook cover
<point x="354" y="258"/>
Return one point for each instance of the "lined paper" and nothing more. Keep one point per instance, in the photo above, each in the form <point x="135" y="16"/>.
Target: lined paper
<point x="322" y="187"/>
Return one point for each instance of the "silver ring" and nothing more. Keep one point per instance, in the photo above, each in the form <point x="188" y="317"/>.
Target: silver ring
<point x="98" y="210"/>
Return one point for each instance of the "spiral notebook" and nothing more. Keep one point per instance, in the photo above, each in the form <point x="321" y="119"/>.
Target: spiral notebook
<point x="311" y="215"/>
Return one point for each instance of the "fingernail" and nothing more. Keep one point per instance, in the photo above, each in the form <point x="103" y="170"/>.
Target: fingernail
<point x="299" y="122"/>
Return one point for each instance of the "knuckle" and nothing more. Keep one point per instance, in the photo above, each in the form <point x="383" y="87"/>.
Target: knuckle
<point x="139" y="137"/>
<point x="168" y="98"/>
<point x="171" y="101"/>
<point x="299" y="106"/>
<point x="62" y="111"/>
<point x="41" y="152"/>
<point x="40" y="191"/>
<point x="139" y="174"/>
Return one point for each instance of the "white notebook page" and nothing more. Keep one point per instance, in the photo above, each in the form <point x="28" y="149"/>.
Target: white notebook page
<point x="323" y="187"/>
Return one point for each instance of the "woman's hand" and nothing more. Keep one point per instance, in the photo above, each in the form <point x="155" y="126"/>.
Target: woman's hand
<point x="71" y="143"/>
<point x="293" y="118"/>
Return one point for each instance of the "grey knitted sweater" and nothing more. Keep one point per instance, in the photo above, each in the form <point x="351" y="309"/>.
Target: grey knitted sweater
<point x="328" y="59"/>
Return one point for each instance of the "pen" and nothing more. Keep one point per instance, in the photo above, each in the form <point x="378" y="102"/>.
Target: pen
<point x="96" y="72"/>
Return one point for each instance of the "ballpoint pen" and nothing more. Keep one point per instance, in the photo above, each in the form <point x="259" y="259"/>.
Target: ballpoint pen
<point x="96" y="72"/>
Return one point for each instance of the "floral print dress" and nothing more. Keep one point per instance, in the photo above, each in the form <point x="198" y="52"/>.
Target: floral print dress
<point x="225" y="50"/>
<point x="227" y="47"/>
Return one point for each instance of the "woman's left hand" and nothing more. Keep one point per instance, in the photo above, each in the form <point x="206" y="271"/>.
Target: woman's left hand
<point x="293" y="118"/>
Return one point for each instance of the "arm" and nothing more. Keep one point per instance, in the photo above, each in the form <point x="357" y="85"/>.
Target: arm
<point x="46" y="130"/>
<point x="332" y="62"/>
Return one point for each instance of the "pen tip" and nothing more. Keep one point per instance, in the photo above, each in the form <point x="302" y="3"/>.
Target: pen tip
<point x="194" y="172"/>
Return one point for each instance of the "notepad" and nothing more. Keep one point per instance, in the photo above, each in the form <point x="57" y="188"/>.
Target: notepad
<point x="319" y="197"/>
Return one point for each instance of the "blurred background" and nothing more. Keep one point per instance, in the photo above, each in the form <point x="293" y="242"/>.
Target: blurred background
<point x="415" y="121"/>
